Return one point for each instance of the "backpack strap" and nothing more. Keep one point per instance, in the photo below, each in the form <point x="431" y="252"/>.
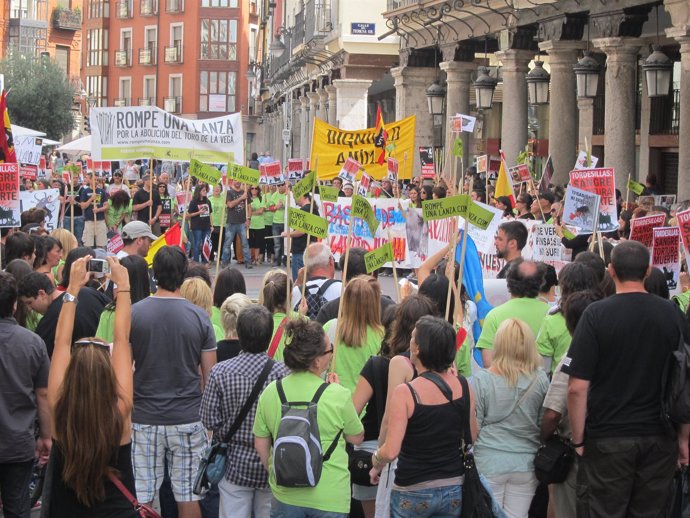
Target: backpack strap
<point x="317" y="395"/>
<point x="281" y="392"/>
<point x="324" y="287"/>
<point x="277" y="337"/>
<point x="253" y="396"/>
<point x="467" y="432"/>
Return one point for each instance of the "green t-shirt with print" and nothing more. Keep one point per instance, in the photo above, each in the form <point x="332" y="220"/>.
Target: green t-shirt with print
<point x="279" y="214"/>
<point x="531" y="311"/>
<point x="335" y="412"/>
<point x="268" y="214"/>
<point x="113" y="215"/>
<point x="351" y="360"/>
<point x="257" y="220"/>
<point x="217" y="209"/>
<point x="553" y="340"/>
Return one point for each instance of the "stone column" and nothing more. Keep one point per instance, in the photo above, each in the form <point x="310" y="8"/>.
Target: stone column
<point x="313" y="109"/>
<point x="563" y="126"/>
<point x="458" y="84"/>
<point x="351" y="103"/>
<point x="585" y="108"/>
<point x="322" y="113"/>
<point x="621" y="91"/>
<point x="410" y="99"/>
<point x="514" y="109"/>
<point x="296" y="129"/>
<point x="683" y="37"/>
<point x="645" y="123"/>
<point x="304" y="128"/>
<point x="332" y="93"/>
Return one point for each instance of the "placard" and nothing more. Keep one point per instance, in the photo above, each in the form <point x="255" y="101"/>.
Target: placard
<point x="601" y="182"/>
<point x="642" y="229"/>
<point x="665" y="254"/>
<point x="10" y="205"/>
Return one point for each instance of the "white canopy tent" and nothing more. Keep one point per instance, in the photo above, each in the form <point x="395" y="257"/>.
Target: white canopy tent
<point x="76" y="147"/>
<point x="21" y="130"/>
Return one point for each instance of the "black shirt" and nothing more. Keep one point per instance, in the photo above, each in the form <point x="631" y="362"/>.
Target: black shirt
<point x="299" y="244"/>
<point x="142" y="196"/>
<point x="621" y="346"/>
<point x="227" y="349"/>
<point x="89" y="308"/>
<point x="237" y="214"/>
<point x="375" y="371"/>
<point x="203" y="220"/>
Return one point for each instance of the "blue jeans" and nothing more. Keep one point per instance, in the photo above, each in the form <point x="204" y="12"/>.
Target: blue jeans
<point x="231" y="230"/>
<point x="296" y="263"/>
<point x="78" y="226"/>
<point x="198" y="243"/>
<point x="439" y="502"/>
<point x="281" y="510"/>
<point x="15" y="478"/>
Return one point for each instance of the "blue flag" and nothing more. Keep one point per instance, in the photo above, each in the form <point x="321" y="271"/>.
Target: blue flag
<point x="473" y="281"/>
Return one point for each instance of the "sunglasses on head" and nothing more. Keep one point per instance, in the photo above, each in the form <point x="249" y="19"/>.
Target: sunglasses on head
<point x="84" y="343"/>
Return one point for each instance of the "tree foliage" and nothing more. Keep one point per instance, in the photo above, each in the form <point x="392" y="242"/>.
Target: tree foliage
<point x="40" y="94"/>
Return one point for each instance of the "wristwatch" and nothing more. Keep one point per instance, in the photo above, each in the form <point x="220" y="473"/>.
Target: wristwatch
<point x="68" y="297"/>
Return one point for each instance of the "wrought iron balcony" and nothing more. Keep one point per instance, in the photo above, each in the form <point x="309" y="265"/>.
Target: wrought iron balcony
<point x="66" y="19"/>
<point x="172" y="104"/>
<point x="147" y="56"/>
<point x="121" y="102"/>
<point x="173" y="55"/>
<point x="123" y="58"/>
<point x="147" y="101"/>
<point x="123" y="10"/>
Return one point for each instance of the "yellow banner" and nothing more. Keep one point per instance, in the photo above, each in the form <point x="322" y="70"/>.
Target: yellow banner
<point x="333" y="146"/>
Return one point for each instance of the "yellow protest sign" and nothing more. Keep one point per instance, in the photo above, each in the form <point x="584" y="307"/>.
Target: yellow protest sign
<point x="333" y="146"/>
<point x="203" y="172"/>
<point x="328" y="193"/>
<point x="243" y="174"/>
<point x="308" y="223"/>
<point x="377" y="258"/>
<point x="361" y="209"/>
<point x="445" y="207"/>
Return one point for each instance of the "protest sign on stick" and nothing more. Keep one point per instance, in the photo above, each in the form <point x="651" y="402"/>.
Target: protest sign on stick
<point x="601" y="182"/>
<point x="223" y="212"/>
<point x="445" y="207"/>
<point x="665" y="253"/>
<point x="348" y="173"/>
<point x="683" y="219"/>
<point x="246" y="175"/>
<point x="314" y="183"/>
<point x="328" y="193"/>
<point x="271" y="173"/>
<point x="642" y="229"/>
<point x="295" y="169"/>
<point x="580" y="210"/>
<point x="10" y="208"/>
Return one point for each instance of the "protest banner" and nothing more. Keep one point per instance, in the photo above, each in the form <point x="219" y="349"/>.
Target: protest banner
<point x="133" y="132"/>
<point x="46" y="199"/>
<point x="203" y="172"/>
<point x="304" y="186"/>
<point x="28" y="172"/>
<point x="546" y="245"/>
<point x="328" y="193"/>
<point x="379" y="257"/>
<point x="445" y="207"/>
<point x="426" y="158"/>
<point x="115" y="244"/>
<point x="361" y="209"/>
<point x="393" y="168"/>
<point x="242" y="174"/>
<point x="181" y="202"/>
<point x="683" y="219"/>
<point x="28" y="149"/>
<point x="308" y="223"/>
<point x="581" y="162"/>
<point x="601" y="182"/>
<point x="10" y="206"/>
<point x="364" y="184"/>
<point x="334" y="146"/>
<point x="295" y="168"/>
<point x="636" y="187"/>
<point x="642" y="229"/>
<point x="520" y="174"/>
<point x="271" y="173"/>
<point x="348" y="173"/>
<point x="666" y="253"/>
<point x="580" y="210"/>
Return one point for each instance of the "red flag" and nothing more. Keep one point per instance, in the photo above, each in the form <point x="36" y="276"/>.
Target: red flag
<point x="7" y="153"/>
<point x="380" y="138"/>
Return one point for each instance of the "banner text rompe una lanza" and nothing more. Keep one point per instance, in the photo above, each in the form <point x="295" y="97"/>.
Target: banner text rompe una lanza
<point x="148" y="124"/>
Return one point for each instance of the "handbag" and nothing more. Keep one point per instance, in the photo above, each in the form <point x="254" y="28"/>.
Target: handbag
<point x="143" y="510"/>
<point x="359" y="464"/>
<point x="477" y="501"/>
<point x="554" y="460"/>
<point x="212" y="464"/>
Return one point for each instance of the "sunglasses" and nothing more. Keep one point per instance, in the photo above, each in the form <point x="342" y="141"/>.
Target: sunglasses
<point x="84" y="343"/>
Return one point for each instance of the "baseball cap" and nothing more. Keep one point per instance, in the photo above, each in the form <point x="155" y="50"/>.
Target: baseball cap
<point x="135" y="229"/>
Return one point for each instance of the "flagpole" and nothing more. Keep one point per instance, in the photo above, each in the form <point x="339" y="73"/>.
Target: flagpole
<point x="451" y="263"/>
<point x="288" y="251"/>
<point x="151" y="189"/>
<point x="186" y="206"/>
<point x="463" y="250"/>
<point x="627" y="194"/>
<point x="223" y="213"/>
<point x="311" y="199"/>
<point x="531" y="182"/>
<point x="395" y="270"/>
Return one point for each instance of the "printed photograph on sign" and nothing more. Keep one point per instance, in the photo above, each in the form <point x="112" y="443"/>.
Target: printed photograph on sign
<point x="580" y="210"/>
<point x="349" y="170"/>
<point x="482" y="163"/>
<point x="665" y="200"/>
<point x="426" y="157"/>
<point x="581" y="162"/>
<point x="462" y="122"/>
<point x="602" y="182"/>
<point x="392" y="170"/>
<point x="665" y="254"/>
<point x="646" y="202"/>
<point x="520" y="173"/>
<point x="364" y="183"/>
<point x="295" y="167"/>
<point x="46" y="199"/>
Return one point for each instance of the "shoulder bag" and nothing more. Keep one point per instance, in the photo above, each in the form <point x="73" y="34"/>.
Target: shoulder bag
<point x="212" y="465"/>
<point x="553" y="460"/>
<point x="143" y="510"/>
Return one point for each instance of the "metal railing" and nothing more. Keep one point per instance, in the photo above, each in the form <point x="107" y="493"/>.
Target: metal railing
<point x="147" y="56"/>
<point x="121" y="102"/>
<point x="298" y="29"/>
<point x="317" y="19"/>
<point x="172" y="104"/>
<point x="173" y="54"/>
<point x="147" y="101"/>
<point x="123" y="58"/>
<point x="392" y="5"/>
<point x="665" y="114"/>
<point x="123" y="10"/>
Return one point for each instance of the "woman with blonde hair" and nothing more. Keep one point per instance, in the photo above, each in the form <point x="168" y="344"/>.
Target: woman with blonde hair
<point x="229" y="347"/>
<point x="273" y="296"/>
<point x="361" y="331"/>
<point x="196" y="291"/>
<point x="509" y="397"/>
<point x="90" y="396"/>
<point x="69" y="243"/>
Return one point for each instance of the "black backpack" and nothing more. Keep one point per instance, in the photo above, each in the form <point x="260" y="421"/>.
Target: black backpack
<point x="316" y="300"/>
<point x="675" y="387"/>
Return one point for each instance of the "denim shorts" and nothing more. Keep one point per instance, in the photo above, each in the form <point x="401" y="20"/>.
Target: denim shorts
<point x="439" y="502"/>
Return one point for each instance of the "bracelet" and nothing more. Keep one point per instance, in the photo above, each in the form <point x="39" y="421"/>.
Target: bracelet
<point x="123" y="291"/>
<point x="578" y="445"/>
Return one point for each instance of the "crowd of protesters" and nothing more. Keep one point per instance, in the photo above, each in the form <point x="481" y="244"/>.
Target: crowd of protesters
<point x="579" y="354"/>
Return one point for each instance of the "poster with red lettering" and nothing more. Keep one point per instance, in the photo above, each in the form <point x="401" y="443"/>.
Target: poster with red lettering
<point x="601" y="182"/>
<point x="666" y="254"/>
<point x="642" y="229"/>
<point x="683" y="219"/>
<point x="10" y="205"/>
<point x="271" y="173"/>
<point x="295" y="167"/>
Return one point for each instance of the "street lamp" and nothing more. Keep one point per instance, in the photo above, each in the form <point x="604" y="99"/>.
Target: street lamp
<point x="435" y="98"/>
<point x="484" y="87"/>
<point x="658" y="69"/>
<point x="538" y="84"/>
<point x="277" y="47"/>
<point x="251" y="74"/>
<point x="587" y="76"/>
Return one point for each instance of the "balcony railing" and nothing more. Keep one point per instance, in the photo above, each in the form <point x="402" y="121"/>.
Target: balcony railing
<point x="123" y="10"/>
<point x="317" y="19"/>
<point x="121" y="102"/>
<point x="147" y="56"/>
<point x="123" y="58"/>
<point x="172" y="104"/>
<point x="147" y="101"/>
<point x="66" y="19"/>
<point x="665" y="114"/>
<point x="148" y="8"/>
<point x="298" y="29"/>
<point x="173" y="55"/>
<point x="174" y="6"/>
<point x="392" y="5"/>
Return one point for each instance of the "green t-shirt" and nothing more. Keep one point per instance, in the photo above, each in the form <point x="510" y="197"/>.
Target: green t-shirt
<point x="32" y="320"/>
<point x="217" y="323"/>
<point x="279" y="214"/>
<point x="463" y="357"/>
<point x="277" y="319"/>
<point x="106" y="326"/>
<point x="553" y="340"/>
<point x="257" y="220"/>
<point x="531" y="311"/>
<point x="113" y="215"/>
<point x="217" y="208"/>
<point x="335" y="412"/>
<point x="351" y="360"/>
<point x="269" y="198"/>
